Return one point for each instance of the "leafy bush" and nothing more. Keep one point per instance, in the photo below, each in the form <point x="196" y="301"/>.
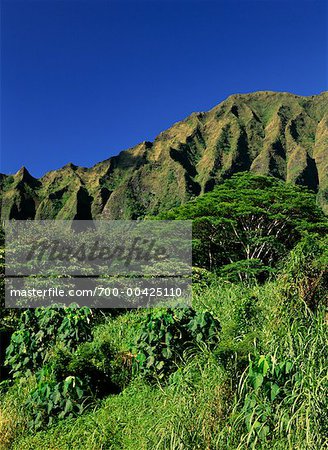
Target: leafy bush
<point x="39" y="330"/>
<point x="167" y="334"/>
<point x="93" y="362"/>
<point x="30" y="352"/>
<point x="52" y="399"/>
<point x="69" y="380"/>
<point x="72" y="376"/>
<point x="265" y="385"/>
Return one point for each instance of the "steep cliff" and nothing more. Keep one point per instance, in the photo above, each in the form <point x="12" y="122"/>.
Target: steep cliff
<point x="278" y="134"/>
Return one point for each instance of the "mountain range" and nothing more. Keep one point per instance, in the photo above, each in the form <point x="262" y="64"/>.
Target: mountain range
<point x="270" y="133"/>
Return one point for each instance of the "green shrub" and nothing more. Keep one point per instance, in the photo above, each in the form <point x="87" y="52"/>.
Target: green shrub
<point x="39" y="330"/>
<point x="167" y="334"/>
<point x="30" y="351"/>
<point x="52" y="399"/>
<point x="102" y="370"/>
<point x="267" y="383"/>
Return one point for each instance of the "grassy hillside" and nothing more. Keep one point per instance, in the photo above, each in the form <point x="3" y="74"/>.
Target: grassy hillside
<point x="212" y="400"/>
<point x="267" y="133"/>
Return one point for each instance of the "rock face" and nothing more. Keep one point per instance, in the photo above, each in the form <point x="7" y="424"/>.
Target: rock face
<point x="268" y="133"/>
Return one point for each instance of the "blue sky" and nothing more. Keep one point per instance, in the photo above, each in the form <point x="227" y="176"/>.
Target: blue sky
<point x="82" y="80"/>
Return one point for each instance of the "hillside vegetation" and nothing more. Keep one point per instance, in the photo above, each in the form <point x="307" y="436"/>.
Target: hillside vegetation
<point x="244" y="368"/>
<point x="267" y="133"/>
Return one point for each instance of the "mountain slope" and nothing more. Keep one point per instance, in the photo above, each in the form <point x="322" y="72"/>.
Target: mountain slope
<point x="269" y="133"/>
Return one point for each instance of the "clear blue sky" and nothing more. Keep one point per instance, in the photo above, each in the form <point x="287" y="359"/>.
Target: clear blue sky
<point x="82" y="80"/>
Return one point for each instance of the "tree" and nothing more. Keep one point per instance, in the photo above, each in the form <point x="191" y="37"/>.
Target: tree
<point x="251" y="219"/>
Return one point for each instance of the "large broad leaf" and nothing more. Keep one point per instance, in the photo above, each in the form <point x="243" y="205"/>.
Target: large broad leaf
<point x="263" y="365"/>
<point x="274" y="391"/>
<point x="258" y="380"/>
<point x="68" y="406"/>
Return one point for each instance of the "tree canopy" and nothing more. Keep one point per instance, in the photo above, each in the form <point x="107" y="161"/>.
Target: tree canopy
<point x="249" y="222"/>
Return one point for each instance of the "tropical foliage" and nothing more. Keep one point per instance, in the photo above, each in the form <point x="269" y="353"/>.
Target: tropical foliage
<point x="244" y="368"/>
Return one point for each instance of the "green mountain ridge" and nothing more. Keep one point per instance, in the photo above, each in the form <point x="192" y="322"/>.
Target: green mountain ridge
<point x="268" y="133"/>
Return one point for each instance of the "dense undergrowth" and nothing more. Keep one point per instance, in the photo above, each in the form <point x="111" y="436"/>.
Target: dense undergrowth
<point x="244" y="368"/>
<point x="264" y="385"/>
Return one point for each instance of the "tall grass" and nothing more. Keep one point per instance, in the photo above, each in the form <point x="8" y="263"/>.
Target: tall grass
<point x="13" y="418"/>
<point x="300" y="419"/>
<point x="202" y="405"/>
<point x="183" y="414"/>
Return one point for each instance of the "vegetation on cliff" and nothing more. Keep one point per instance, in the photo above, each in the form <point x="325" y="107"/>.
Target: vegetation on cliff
<point x="267" y="133"/>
